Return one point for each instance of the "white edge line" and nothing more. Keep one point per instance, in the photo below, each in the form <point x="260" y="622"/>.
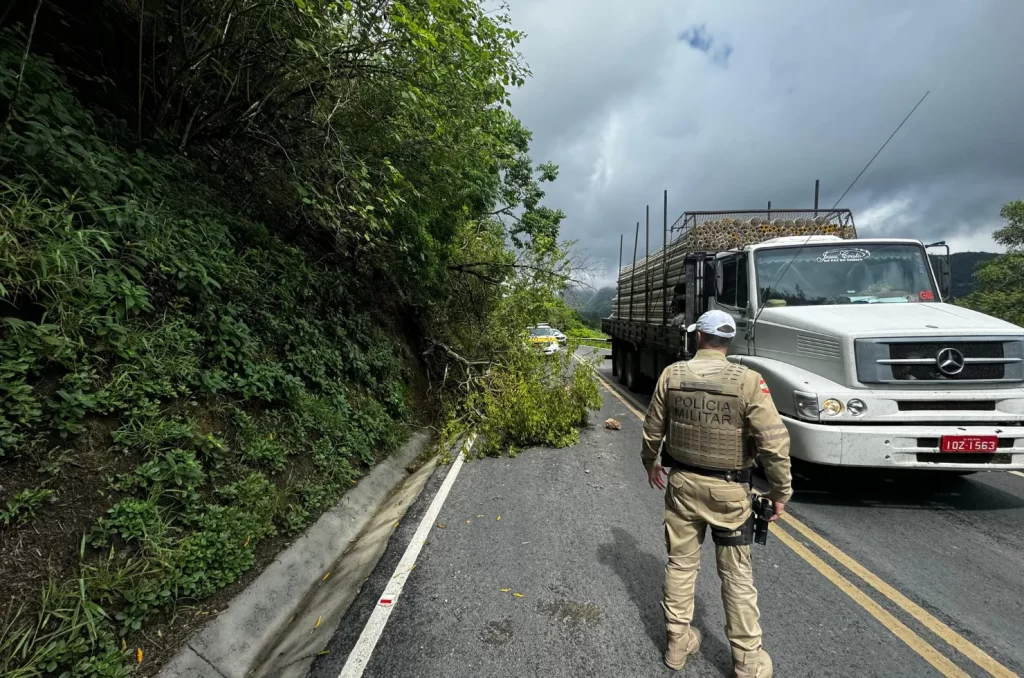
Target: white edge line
<point x="359" y="657"/>
<point x="1017" y="473"/>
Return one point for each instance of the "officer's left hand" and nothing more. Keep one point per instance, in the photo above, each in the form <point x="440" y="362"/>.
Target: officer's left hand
<point x="656" y="476"/>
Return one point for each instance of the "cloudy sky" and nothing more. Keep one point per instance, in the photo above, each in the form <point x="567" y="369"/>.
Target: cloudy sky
<point x="731" y="103"/>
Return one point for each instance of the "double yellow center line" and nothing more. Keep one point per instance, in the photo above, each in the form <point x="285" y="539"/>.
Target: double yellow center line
<point x="915" y="642"/>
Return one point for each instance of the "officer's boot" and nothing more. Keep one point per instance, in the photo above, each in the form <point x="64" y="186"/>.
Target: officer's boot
<point x="754" y="665"/>
<point x="683" y="640"/>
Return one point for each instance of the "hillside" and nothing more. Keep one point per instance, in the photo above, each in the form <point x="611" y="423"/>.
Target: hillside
<point x="962" y="267"/>
<point x="591" y="304"/>
<point x="222" y="304"/>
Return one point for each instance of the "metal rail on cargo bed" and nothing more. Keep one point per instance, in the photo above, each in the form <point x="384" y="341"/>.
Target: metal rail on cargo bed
<point x="663" y="336"/>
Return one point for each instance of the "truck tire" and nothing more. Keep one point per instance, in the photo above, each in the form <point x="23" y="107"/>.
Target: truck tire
<point x="616" y="360"/>
<point x="623" y="354"/>
<point x="634" y="380"/>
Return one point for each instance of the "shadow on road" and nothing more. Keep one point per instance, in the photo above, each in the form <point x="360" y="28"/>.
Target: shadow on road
<point x="643" y="574"/>
<point x="875" y="488"/>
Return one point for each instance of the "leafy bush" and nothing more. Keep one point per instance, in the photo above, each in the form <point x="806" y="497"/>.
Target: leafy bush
<point x="23" y="506"/>
<point x="535" y="401"/>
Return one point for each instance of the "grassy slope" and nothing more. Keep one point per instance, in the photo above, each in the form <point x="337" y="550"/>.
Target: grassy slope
<point x="176" y="383"/>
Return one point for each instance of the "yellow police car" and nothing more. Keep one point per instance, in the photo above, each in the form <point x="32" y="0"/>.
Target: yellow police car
<point x="544" y="340"/>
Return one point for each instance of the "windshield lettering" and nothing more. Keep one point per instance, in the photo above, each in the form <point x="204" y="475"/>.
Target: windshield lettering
<point x="843" y="256"/>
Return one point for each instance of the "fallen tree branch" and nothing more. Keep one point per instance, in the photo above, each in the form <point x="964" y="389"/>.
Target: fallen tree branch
<point x="454" y="355"/>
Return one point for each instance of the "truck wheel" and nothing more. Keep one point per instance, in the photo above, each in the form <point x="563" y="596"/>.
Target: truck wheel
<point x="616" y="359"/>
<point x="633" y="377"/>
<point x="623" y="354"/>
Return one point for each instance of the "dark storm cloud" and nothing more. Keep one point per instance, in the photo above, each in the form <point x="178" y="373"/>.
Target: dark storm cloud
<point x="699" y="39"/>
<point x="632" y="101"/>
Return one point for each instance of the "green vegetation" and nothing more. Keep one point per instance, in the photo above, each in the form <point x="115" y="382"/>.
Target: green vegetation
<point x="517" y="412"/>
<point x="963" y="266"/>
<point x="235" y="266"/>
<point x="23" y="506"/>
<point x="135" y="297"/>
<point x="999" y="284"/>
<point x="587" y="336"/>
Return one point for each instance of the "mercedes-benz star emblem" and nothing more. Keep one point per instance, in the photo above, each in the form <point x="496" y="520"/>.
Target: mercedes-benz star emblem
<point x="950" y="361"/>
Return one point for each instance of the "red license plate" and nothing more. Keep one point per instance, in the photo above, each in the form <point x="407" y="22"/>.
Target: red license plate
<point x="969" y="443"/>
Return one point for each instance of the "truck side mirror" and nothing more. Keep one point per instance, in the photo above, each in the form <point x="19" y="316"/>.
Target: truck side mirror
<point x="945" y="278"/>
<point x="941" y="267"/>
<point x="719" y="279"/>
<point x="711" y="279"/>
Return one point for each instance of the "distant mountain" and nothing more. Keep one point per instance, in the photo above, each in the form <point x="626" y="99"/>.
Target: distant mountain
<point x="961" y="268"/>
<point x="577" y="297"/>
<point x="600" y="304"/>
<point x="592" y="304"/>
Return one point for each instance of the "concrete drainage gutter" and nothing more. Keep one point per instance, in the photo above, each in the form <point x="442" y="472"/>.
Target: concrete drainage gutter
<point x="232" y="645"/>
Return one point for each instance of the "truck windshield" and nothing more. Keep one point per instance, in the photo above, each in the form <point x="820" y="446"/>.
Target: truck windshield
<point x="862" y="273"/>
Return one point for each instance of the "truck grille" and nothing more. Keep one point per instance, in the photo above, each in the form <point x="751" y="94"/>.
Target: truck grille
<point x="963" y="359"/>
<point x="930" y="371"/>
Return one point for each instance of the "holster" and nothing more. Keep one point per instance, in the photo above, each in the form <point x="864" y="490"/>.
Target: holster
<point x="723" y="537"/>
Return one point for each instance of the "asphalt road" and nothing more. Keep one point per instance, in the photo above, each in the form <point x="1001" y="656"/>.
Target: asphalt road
<point x="580" y="538"/>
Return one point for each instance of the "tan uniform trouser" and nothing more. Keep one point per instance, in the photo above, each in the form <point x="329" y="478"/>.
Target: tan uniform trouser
<point x="692" y="503"/>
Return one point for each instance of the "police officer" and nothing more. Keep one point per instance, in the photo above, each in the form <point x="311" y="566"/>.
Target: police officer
<point x="707" y="411"/>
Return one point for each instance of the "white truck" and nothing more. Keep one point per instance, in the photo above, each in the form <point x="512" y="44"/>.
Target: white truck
<point x="866" y="362"/>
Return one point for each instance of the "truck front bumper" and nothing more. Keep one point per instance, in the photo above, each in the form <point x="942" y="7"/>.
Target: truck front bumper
<point x="915" y="446"/>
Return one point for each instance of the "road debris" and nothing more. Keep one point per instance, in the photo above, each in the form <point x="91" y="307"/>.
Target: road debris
<point x="612" y="424"/>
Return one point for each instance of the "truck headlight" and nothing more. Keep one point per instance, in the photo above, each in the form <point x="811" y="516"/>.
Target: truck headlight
<point x="806" y="405"/>
<point x="857" y="407"/>
<point x="832" y="407"/>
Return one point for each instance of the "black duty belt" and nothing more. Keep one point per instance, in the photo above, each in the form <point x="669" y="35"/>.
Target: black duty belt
<point x="742" y="475"/>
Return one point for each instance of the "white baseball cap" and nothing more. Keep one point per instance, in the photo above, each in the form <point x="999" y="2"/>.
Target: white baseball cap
<point x="718" y="323"/>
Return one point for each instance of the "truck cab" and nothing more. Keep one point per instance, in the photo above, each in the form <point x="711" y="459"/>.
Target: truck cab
<point x="864" y="359"/>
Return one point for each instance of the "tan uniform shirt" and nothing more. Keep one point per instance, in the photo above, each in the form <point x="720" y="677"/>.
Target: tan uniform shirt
<point x="760" y="418"/>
